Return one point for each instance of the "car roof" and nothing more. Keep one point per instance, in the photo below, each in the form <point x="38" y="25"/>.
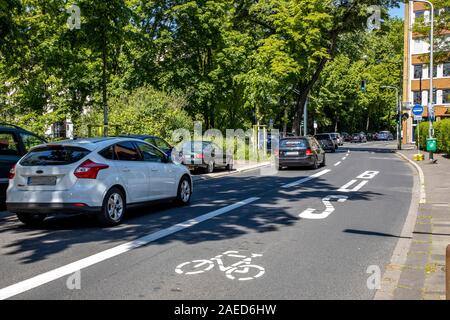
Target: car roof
<point x="138" y="136"/>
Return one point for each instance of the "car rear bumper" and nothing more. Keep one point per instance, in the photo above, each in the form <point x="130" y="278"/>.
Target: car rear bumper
<point x="51" y="208"/>
<point x="297" y="161"/>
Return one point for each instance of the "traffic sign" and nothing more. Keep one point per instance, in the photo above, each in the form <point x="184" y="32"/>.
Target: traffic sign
<point x="417" y="110"/>
<point x="418" y="118"/>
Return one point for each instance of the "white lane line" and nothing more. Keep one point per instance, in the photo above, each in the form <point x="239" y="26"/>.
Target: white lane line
<point x="344" y="158"/>
<point x="73" y="267"/>
<point x="337" y="163"/>
<point x="296" y="183"/>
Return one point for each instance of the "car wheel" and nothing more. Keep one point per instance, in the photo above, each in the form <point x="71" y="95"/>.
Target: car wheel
<point x="31" y="220"/>
<point x="230" y="166"/>
<point x="210" y="167"/>
<point x="113" y="208"/>
<point x="280" y="168"/>
<point x="324" y="162"/>
<point x="184" y="191"/>
<point x="315" y="166"/>
<point x="333" y="150"/>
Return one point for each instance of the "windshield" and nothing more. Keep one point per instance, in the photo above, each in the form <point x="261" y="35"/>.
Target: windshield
<point x="298" y="143"/>
<point x="54" y="155"/>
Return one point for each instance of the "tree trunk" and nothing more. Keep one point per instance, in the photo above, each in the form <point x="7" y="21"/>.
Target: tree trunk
<point x="104" y="88"/>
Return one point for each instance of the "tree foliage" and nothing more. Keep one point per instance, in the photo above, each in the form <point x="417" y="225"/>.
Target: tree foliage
<point x="234" y="63"/>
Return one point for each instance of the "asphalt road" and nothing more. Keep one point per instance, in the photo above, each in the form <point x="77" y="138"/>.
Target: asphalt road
<point x="293" y="253"/>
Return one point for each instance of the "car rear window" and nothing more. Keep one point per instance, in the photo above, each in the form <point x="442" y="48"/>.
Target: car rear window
<point x="300" y="143"/>
<point x="54" y="156"/>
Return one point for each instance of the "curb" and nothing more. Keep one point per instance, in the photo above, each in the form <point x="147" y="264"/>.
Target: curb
<point x="210" y="176"/>
<point x="423" y="194"/>
<point x="393" y="270"/>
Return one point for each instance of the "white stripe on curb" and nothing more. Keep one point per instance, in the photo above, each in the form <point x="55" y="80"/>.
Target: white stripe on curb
<point x="73" y="267"/>
<point x="423" y="194"/>
<point x="296" y="183"/>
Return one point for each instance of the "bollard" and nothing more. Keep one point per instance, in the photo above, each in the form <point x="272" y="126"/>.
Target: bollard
<point x="447" y="272"/>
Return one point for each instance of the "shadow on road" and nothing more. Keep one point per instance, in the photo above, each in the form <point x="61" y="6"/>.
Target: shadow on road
<point x="60" y="233"/>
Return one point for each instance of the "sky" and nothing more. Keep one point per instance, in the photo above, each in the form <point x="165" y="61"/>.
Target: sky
<point x="397" y="12"/>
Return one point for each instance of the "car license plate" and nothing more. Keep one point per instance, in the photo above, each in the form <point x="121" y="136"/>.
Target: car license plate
<point x="41" y="181"/>
<point x="292" y="153"/>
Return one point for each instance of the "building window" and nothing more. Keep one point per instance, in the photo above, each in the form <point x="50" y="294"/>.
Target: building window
<point x="446" y="70"/>
<point x="435" y="69"/>
<point x="418" y="69"/>
<point x="417" y="97"/>
<point x="446" y="96"/>
<point x="59" y="130"/>
<point x="419" y="14"/>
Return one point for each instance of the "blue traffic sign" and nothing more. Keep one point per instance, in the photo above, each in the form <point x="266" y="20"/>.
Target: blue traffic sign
<point x="417" y="110"/>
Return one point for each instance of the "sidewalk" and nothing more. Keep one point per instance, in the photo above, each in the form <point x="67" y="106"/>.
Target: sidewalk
<point x="422" y="276"/>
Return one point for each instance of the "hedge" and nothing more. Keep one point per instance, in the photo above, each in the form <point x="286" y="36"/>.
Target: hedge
<point x="441" y="133"/>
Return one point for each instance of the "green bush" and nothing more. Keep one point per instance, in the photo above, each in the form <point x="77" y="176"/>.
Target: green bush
<point x="144" y="111"/>
<point x="441" y="133"/>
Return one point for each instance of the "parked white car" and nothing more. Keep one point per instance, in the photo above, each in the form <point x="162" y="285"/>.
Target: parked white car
<point x="103" y="176"/>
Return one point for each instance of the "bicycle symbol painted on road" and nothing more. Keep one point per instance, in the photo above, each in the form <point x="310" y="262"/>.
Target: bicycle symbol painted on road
<point x="242" y="270"/>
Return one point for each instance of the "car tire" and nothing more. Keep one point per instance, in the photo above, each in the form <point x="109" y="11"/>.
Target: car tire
<point x="280" y="168"/>
<point x="315" y="166"/>
<point x="113" y="208"/>
<point x="31" y="220"/>
<point x="324" y="162"/>
<point x="229" y="166"/>
<point x="210" y="167"/>
<point x="333" y="150"/>
<point x="184" y="192"/>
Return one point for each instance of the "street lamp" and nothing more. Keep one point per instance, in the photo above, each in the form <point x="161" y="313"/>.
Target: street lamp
<point x="430" y="104"/>
<point x="399" y="114"/>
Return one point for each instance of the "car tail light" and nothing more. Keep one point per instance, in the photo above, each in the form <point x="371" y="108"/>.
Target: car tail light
<point x="199" y="156"/>
<point x="12" y="172"/>
<point x="89" y="170"/>
<point x="309" y="152"/>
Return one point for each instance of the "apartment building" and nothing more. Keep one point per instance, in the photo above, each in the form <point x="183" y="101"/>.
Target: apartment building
<point x="416" y="79"/>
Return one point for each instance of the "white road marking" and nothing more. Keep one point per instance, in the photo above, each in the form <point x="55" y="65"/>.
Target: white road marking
<point x="344" y="158"/>
<point x="357" y="188"/>
<point x="368" y="175"/>
<point x="296" y="183"/>
<point x="337" y="163"/>
<point x="309" y="213"/>
<point x="73" y="267"/>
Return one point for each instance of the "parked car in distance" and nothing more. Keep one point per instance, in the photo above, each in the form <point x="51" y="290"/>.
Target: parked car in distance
<point x="385" y="136"/>
<point x="102" y="176"/>
<point x="346" y="136"/>
<point x="359" y="138"/>
<point x="338" y="138"/>
<point x="300" y="152"/>
<point x="326" y="142"/>
<point x="14" y="143"/>
<point x="205" y="155"/>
